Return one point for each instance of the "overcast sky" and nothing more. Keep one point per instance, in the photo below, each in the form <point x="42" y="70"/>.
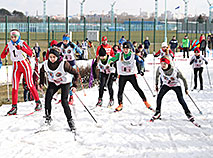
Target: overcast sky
<point x="55" y="7"/>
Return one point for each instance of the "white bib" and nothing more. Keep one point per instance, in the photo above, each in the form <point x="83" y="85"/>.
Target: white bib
<point x="68" y="53"/>
<point x="103" y="69"/>
<point x="58" y="76"/>
<point x="15" y="54"/>
<point x="126" y="67"/>
<point x="172" y="80"/>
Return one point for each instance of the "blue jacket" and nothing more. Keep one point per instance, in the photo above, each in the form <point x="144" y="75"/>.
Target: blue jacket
<point x="122" y="40"/>
<point x="73" y="45"/>
<point x="146" y="44"/>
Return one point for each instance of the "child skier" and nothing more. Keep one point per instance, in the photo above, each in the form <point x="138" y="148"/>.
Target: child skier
<point x="106" y="76"/>
<point x="165" y="51"/>
<point x="197" y="61"/>
<point x="170" y="81"/>
<point x="59" y="77"/>
<point x="126" y="68"/>
<point x="18" y="50"/>
<point x="69" y="50"/>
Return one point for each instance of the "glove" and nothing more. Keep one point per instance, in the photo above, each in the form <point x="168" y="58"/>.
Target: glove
<point x="114" y="77"/>
<point x="156" y="88"/>
<point x="0" y="64"/>
<point x="206" y="62"/>
<point x="73" y="89"/>
<point x="18" y="47"/>
<point x="192" y="61"/>
<point x="187" y="92"/>
<point x="142" y="73"/>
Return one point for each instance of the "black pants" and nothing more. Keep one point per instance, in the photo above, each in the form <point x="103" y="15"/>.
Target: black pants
<point x="138" y="65"/>
<point x="200" y="70"/>
<point x="51" y="90"/>
<point x="179" y="94"/>
<point x="185" y="50"/>
<point x="103" y="81"/>
<point x="122" y="82"/>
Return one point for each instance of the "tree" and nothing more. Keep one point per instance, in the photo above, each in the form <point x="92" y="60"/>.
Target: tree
<point x="4" y="12"/>
<point x="17" y="13"/>
<point x="200" y="19"/>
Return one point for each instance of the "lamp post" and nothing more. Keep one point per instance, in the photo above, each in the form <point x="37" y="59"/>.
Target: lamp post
<point x="165" y="35"/>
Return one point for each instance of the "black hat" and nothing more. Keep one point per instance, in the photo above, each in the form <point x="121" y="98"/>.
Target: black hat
<point x="55" y="51"/>
<point x="102" y="51"/>
<point x="126" y="45"/>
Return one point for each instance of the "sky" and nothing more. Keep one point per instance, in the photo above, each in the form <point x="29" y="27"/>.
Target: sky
<point x="56" y="7"/>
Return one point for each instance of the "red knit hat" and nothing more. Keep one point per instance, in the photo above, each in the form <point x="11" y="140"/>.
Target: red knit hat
<point x="165" y="59"/>
<point x="197" y="50"/>
<point x="104" y="38"/>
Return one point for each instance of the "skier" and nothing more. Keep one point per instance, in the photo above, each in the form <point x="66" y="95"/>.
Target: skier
<point x="109" y="51"/>
<point x="170" y="81"/>
<point x="106" y="76"/>
<point x="197" y="61"/>
<point x="58" y="71"/>
<point x="85" y="49"/>
<point x="69" y="50"/>
<point x="165" y="51"/>
<point x="142" y="54"/>
<point x="126" y="68"/>
<point x="37" y="50"/>
<point x="52" y="44"/>
<point x="18" y="50"/>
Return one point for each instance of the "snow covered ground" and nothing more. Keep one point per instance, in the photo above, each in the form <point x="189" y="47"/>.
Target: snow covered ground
<point x="114" y="136"/>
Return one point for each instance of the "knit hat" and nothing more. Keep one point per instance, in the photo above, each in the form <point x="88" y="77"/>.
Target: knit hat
<point x="102" y="51"/>
<point x="53" y="43"/>
<point x="165" y="59"/>
<point x="104" y="38"/>
<point x="126" y="45"/>
<point x="140" y="46"/>
<point x="55" y="51"/>
<point x="164" y="44"/>
<point x="197" y="50"/>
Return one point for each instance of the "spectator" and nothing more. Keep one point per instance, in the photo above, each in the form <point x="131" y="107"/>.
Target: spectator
<point x="203" y="44"/>
<point x="173" y="44"/>
<point x="37" y="50"/>
<point x="122" y="40"/>
<point x="209" y="40"/>
<point x="185" y="42"/>
<point x="146" y="45"/>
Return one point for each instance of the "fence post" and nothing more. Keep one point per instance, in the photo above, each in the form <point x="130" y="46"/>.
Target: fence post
<point x="6" y="21"/>
<point x="48" y="29"/>
<point x="115" y="31"/>
<point x="53" y="35"/>
<point x="141" y="31"/>
<point x="84" y="28"/>
<point x="196" y="29"/>
<point x="177" y="29"/>
<point x="129" y="29"/>
<point x="187" y="27"/>
<point x="28" y="30"/>
<point x="100" y="30"/>
<point x="154" y="34"/>
<point x="205" y="28"/>
<point x="67" y="23"/>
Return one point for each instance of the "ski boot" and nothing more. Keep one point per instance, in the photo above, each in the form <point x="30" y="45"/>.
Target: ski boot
<point x="71" y="124"/>
<point x="71" y="100"/>
<point x="156" y="116"/>
<point x="190" y="117"/>
<point x="148" y="106"/>
<point x="111" y="103"/>
<point x="38" y="106"/>
<point x="13" y="110"/>
<point x="48" y="119"/>
<point x="119" y="108"/>
<point x="99" y="102"/>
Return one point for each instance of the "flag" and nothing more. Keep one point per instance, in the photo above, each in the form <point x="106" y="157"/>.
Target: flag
<point x="177" y="7"/>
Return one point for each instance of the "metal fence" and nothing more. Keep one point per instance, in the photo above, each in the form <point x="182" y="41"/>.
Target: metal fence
<point x="135" y="30"/>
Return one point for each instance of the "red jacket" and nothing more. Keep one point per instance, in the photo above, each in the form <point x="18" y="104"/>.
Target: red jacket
<point x="27" y="50"/>
<point x="170" y="52"/>
<point x="108" y="49"/>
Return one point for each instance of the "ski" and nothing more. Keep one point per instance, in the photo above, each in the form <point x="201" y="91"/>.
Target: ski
<point x="74" y="133"/>
<point x="42" y="129"/>
<point x="195" y="123"/>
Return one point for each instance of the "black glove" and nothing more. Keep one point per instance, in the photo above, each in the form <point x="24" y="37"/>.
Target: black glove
<point x="192" y="61"/>
<point x="156" y="88"/>
<point x="142" y="73"/>
<point x="206" y="62"/>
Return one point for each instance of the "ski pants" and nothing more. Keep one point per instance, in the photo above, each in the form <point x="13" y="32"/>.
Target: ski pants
<point x="200" y="70"/>
<point x="51" y="90"/>
<point x="164" y="89"/>
<point x="22" y="67"/>
<point x="104" y="78"/>
<point x="122" y="82"/>
<point x="185" y="50"/>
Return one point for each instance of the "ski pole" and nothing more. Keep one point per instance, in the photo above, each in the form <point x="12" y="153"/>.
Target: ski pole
<point x="8" y="92"/>
<point x="208" y="76"/>
<point x="153" y="69"/>
<point x="85" y="108"/>
<point x="191" y="80"/>
<point x="81" y="80"/>
<point x="148" y="86"/>
<point x="195" y="104"/>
